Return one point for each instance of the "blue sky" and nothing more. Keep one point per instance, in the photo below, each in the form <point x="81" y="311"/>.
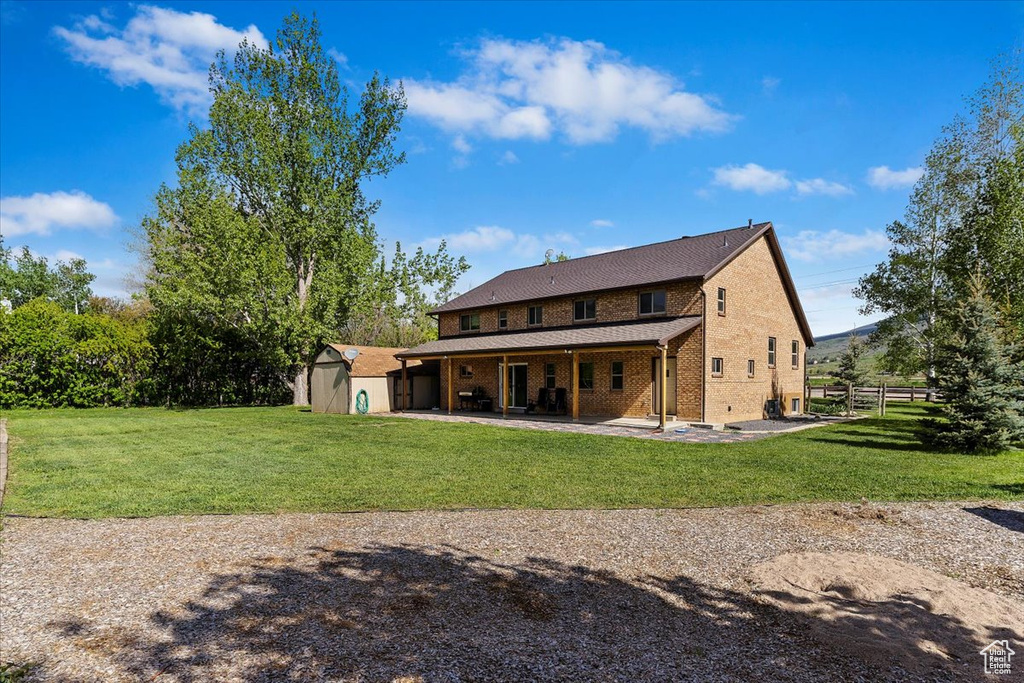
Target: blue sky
<point x="576" y="127"/>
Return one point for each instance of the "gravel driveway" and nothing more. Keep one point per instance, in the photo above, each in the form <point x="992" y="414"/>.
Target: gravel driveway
<point x="626" y="595"/>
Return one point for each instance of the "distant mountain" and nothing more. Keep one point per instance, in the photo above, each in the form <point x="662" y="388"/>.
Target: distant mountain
<point x="830" y="346"/>
<point x="862" y="331"/>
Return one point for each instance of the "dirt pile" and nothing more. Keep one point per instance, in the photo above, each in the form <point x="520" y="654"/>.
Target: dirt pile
<point x="886" y="612"/>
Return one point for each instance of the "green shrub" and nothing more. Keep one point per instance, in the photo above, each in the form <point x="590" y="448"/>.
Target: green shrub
<point x="826" y="406"/>
<point x="53" y="358"/>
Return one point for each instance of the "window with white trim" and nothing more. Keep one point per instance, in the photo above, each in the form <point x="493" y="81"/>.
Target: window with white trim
<point x="716" y="367"/>
<point x="771" y="352"/>
<point x="618" y="375"/>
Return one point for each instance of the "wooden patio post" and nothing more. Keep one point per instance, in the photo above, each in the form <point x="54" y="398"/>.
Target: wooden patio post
<point x="404" y="385"/>
<point x="664" y="389"/>
<point x="575" y="386"/>
<point x="504" y="386"/>
<point x="449" y="386"/>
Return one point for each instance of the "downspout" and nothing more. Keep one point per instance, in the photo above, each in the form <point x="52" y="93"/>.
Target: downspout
<point x="703" y="351"/>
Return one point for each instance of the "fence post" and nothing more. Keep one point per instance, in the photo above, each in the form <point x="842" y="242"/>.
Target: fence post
<point x="911" y="393"/>
<point x="849" y="400"/>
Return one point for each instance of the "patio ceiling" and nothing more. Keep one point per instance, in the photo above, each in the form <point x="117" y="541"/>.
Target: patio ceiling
<point x="646" y="333"/>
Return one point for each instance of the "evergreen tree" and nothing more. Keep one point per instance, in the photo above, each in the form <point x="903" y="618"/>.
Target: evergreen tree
<point x="849" y="371"/>
<point x="980" y="380"/>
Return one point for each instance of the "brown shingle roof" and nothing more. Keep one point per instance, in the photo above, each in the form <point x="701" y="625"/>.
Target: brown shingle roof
<point x="372" y="361"/>
<point x="644" y="333"/>
<point x="685" y="258"/>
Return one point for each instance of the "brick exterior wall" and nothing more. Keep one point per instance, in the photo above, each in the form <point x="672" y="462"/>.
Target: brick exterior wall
<point x="757" y="307"/>
<point x="635" y="399"/>
<point x="681" y="298"/>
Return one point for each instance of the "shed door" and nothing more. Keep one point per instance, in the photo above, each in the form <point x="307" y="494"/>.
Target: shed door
<point x="330" y="388"/>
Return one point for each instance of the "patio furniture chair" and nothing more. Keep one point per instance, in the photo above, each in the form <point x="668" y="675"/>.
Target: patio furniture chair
<point x="561" y="400"/>
<point x="544" y="399"/>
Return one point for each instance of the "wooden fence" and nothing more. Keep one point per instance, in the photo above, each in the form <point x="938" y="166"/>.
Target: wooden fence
<point x="867" y="399"/>
<point x="909" y="394"/>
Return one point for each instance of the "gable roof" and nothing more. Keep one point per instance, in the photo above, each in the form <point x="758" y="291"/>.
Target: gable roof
<point x="686" y="258"/>
<point x="372" y="361"/>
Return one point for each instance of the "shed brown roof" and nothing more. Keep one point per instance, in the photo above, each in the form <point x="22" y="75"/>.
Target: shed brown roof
<point x="685" y="258"/>
<point x="372" y="361"/>
<point x="643" y="333"/>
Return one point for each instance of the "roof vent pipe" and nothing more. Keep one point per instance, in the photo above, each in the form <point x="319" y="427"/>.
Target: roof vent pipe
<point x="750" y="223"/>
<point x="725" y="240"/>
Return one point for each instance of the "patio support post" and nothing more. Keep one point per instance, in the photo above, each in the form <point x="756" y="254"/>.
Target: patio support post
<point x="663" y="391"/>
<point x="449" y="386"/>
<point x="575" y="386"/>
<point x="504" y="386"/>
<point x="404" y="385"/>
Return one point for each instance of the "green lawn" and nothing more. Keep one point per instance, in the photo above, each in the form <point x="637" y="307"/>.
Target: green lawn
<point x="142" y="462"/>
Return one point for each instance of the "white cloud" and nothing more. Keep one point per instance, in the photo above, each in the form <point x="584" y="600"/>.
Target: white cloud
<point x="591" y="251"/>
<point x="751" y="177"/>
<point x="339" y="57"/>
<point x="66" y="255"/>
<point x="460" y="145"/>
<point x="170" y="51"/>
<point x="508" y="158"/>
<point x="601" y="223"/>
<point x="760" y="180"/>
<point x="822" y="186"/>
<point x="492" y="238"/>
<point x="581" y="90"/>
<point x="884" y="178"/>
<point x="41" y="213"/>
<point x="769" y="84"/>
<point x="812" y="245"/>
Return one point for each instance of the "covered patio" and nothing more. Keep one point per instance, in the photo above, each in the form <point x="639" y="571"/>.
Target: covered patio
<point x="615" y="370"/>
<point x="636" y="428"/>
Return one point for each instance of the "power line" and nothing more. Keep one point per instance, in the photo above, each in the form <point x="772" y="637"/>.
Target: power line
<point x="838" y="270"/>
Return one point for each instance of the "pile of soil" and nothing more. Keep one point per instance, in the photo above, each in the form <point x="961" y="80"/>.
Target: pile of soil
<point x="886" y="612"/>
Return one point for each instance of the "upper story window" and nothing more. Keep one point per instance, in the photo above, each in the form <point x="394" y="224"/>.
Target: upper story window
<point x="716" y="367"/>
<point x="584" y="309"/>
<point x="535" y="315"/>
<point x="469" y="322"/>
<point x="721" y="301"/>
<point x="796" y="354"/>
<point x="586" y="375"/>
<point x="652" y="303"/>
<point x="502" y="319"/>
<point x="750" y="368"/>
<point x="771" y="352"/>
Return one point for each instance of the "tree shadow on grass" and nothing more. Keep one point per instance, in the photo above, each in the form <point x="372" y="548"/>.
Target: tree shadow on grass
<point x="412" y="613"/>
<point x="892" y="435"/>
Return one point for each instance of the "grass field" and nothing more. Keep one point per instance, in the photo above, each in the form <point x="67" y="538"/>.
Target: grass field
<point x="143" y="462"/>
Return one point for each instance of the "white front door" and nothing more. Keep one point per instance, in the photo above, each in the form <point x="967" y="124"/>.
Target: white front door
<point x="516" y="385"/>
<point x="669" y="376"/>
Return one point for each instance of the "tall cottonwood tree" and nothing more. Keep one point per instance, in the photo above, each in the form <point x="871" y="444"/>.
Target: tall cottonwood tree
<point x="267" y="244"/>
<point x="960" y="218"/>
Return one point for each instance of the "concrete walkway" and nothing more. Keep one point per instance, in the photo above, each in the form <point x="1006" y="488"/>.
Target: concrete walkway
<point x="630" y="427"/>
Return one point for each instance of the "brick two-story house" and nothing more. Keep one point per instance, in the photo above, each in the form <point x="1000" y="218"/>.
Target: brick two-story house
<point x="716" y="315"/>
